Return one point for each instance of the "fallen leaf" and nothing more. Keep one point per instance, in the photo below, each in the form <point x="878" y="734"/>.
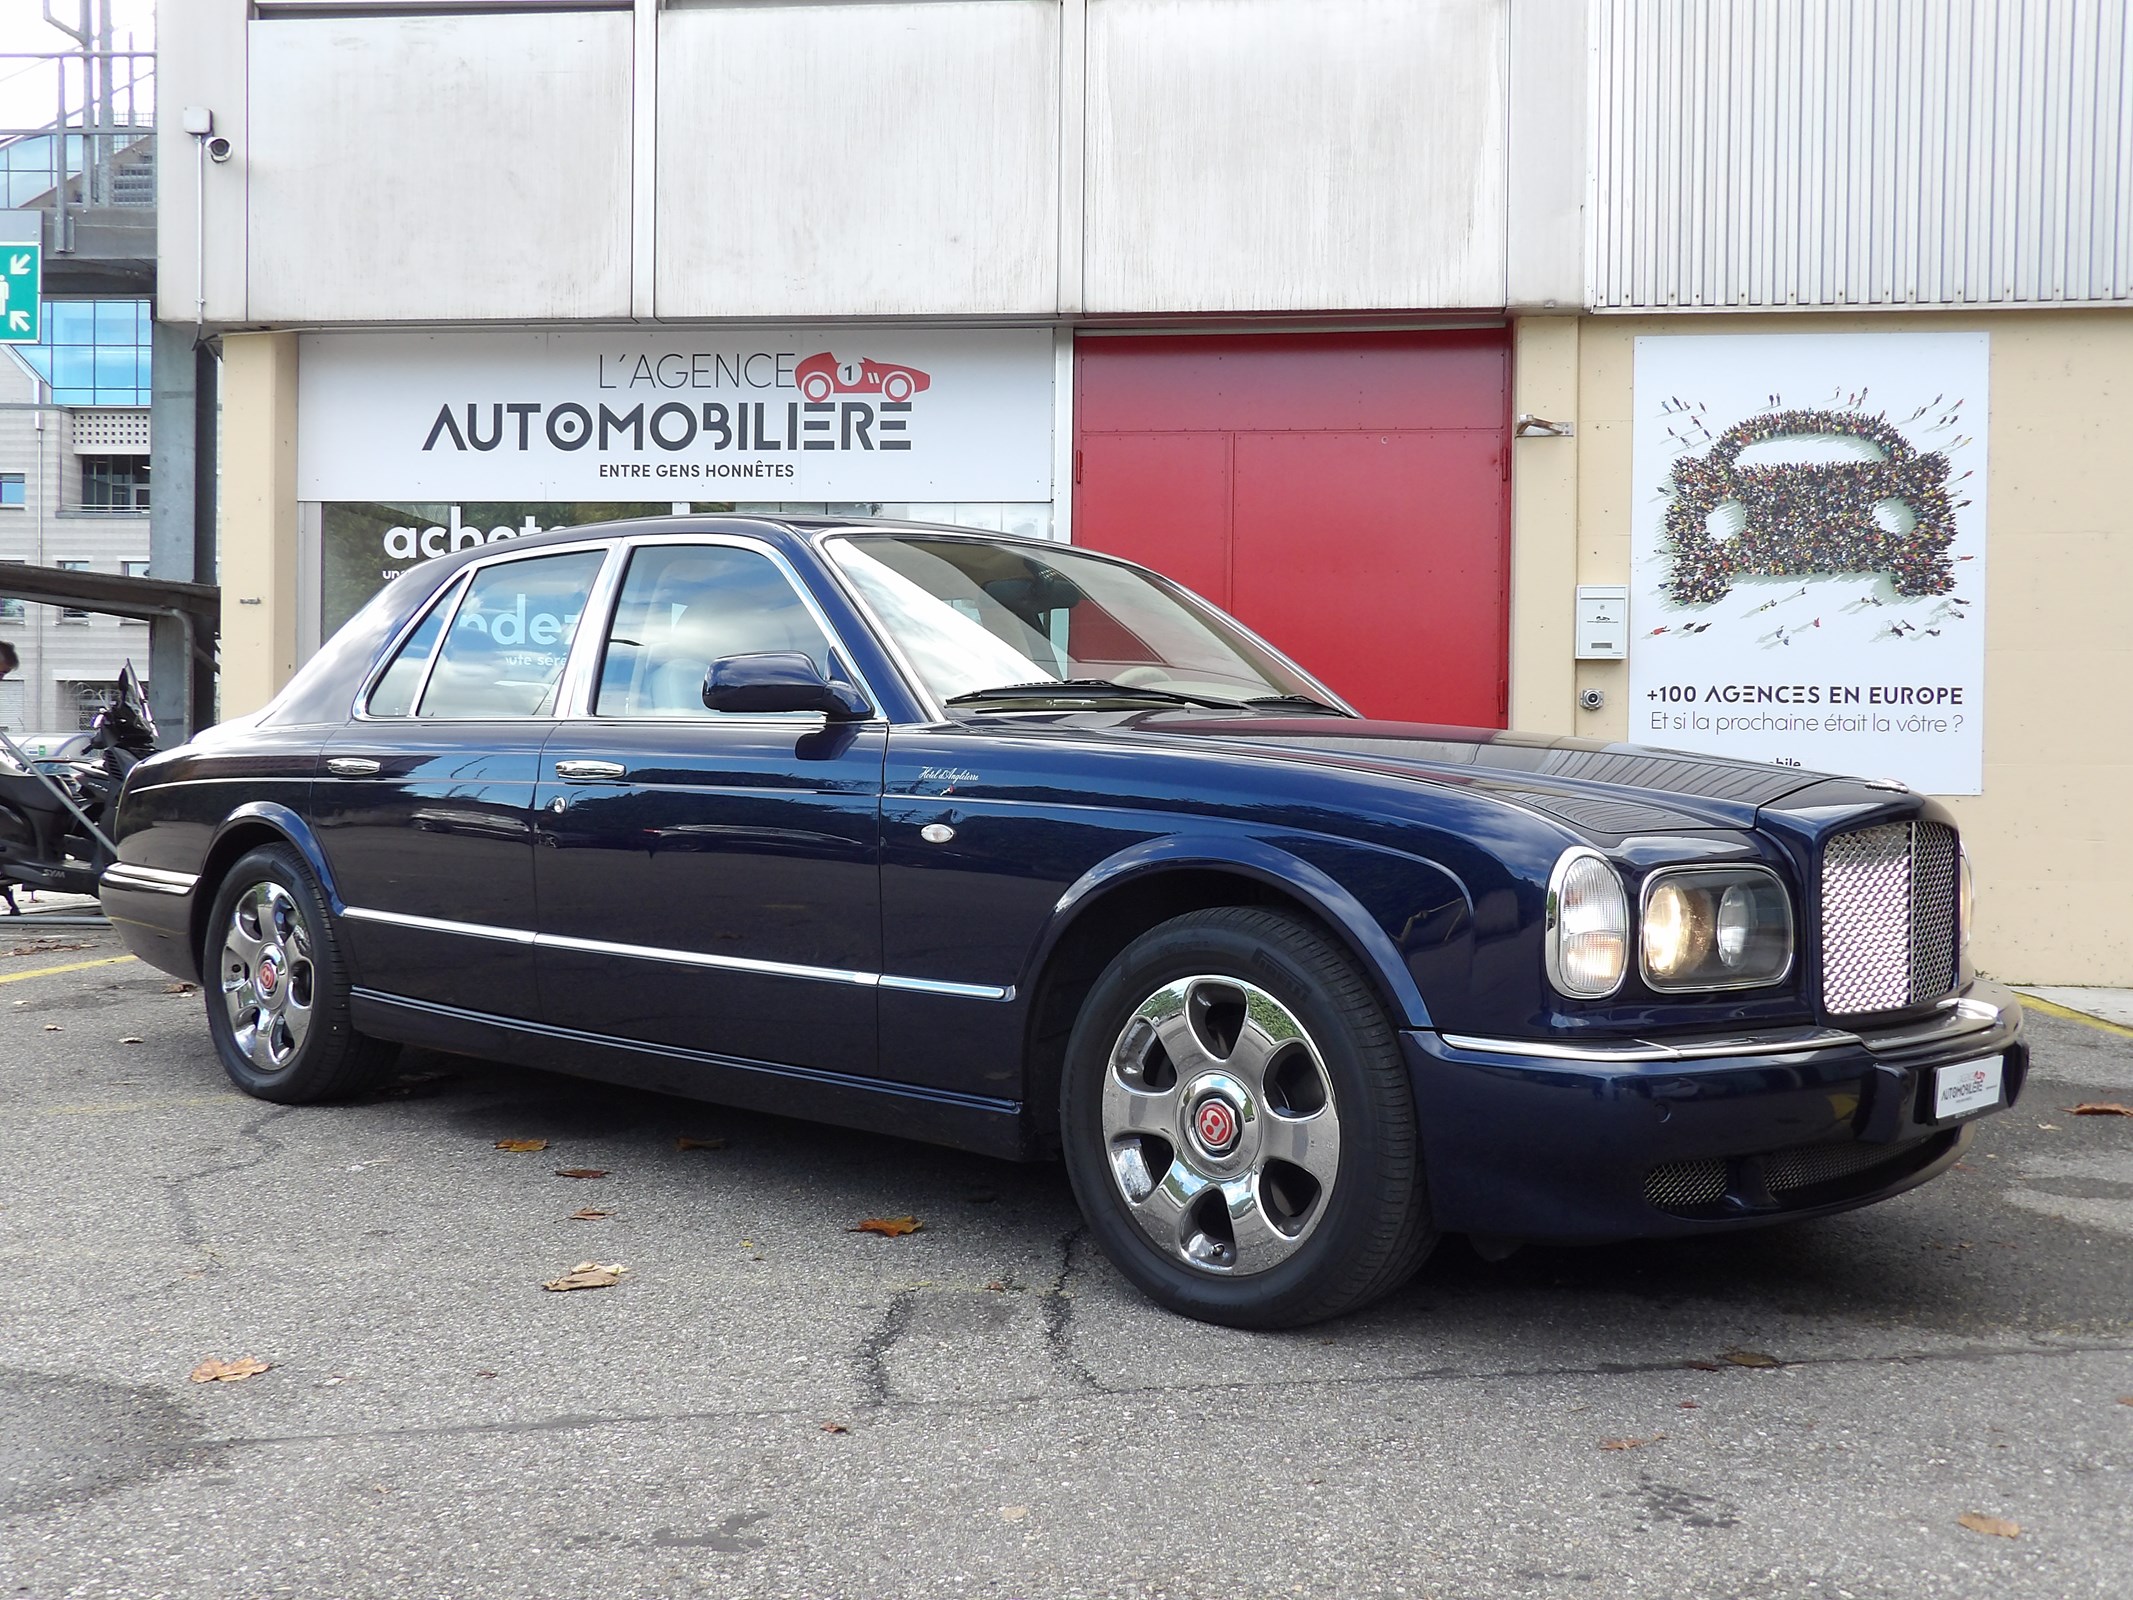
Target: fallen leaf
<point x="1750" y="1358"/>
<point x="519" y="1146"/>
<point x="2126" y="1399"/>
<point x="216" y="1370"/>
<point x="51" y="1027"/>
<point x="887" y="1227"/>
<point x="2101" y="1108"/>
<point x="581" y="1172"/>
<point x="1998" y="1527"/>
<point x="996" y="1287"/>
<point x="1630" y="1444"/>
<point x="1690" y="1405"/>
<point x="687" y="1143"/>
<point x="485" y="1373"/>
<point x="177" y="988"/>
<point x="587" y="1214"/>
<point x="835" y="1427"/>
<point x="588" y="1275"/>
<point x="131" y="1038"/>
<point x="1013" y="1513"/>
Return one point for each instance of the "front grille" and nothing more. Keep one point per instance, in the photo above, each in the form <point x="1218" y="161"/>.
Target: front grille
<point x="1888" y="917"/>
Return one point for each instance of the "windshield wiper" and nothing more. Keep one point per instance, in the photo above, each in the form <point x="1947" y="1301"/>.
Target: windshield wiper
<point x="1091" y="689"/>
<point x="1301" y="702"/>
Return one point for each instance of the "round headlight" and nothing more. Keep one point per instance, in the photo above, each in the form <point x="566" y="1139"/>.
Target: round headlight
<point x="1736" y="921"/>
<point x="1588" y="925"/>
<point x="1677" y="930"/>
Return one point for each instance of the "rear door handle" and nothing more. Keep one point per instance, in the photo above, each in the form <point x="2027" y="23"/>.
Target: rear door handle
<point x="590" y="771"/>
<point x="352" y="766"/>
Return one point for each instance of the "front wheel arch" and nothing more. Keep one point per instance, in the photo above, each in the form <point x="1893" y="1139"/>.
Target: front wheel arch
<point x="1111" y="916"/>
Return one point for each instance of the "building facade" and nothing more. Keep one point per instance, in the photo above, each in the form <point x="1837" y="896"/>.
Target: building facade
<point x="1732" y="377"/>
<point x="74" y="490"/>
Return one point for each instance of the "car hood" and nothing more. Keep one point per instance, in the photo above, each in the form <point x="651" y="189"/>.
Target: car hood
<point x="1594" y="787"/>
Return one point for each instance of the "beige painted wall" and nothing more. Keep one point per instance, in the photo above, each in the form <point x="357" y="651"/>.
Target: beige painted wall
<point x="256" y="534"/>
<point x="2052" y="835"/>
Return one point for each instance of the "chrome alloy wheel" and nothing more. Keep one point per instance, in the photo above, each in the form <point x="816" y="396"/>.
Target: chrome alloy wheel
<point x="1220" y="1126"/>
<point x="269" y="983"/>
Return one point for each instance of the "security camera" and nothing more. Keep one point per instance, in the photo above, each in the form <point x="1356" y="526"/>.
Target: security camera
<point x="219" y="148"/>
<point x="1592" y="699"/>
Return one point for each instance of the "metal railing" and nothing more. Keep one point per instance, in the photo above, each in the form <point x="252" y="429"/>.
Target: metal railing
<point x="98" y="149"/>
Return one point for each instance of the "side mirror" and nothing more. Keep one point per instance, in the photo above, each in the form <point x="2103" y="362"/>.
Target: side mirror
<point x="780" y="680"/>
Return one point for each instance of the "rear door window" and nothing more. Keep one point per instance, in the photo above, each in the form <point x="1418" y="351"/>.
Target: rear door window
<point x="504" y="650"/>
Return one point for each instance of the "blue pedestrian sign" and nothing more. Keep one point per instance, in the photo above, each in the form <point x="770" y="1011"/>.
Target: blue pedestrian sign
<point x="21" y="292"/>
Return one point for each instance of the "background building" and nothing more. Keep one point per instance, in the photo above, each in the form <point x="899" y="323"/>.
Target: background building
<point x="1371" y="319"/>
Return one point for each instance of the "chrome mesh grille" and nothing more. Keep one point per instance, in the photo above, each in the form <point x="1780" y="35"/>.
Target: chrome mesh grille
<point x="1888" y="917"/>
<point x="1685" y="1185"/>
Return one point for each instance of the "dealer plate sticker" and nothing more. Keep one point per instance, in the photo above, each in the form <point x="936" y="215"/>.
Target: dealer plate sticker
<point x="1966" y="1087"/>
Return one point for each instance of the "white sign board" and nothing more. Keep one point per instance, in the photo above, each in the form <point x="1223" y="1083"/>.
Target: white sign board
<point x="1808" y="551"/>
<point x="761" y="414"/>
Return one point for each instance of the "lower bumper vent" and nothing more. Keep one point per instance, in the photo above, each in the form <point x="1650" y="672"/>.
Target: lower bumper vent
<point x="1690" y="1187"/>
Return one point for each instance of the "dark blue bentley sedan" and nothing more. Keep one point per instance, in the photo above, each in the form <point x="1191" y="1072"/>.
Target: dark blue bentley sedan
<point x="1010" y="846"/>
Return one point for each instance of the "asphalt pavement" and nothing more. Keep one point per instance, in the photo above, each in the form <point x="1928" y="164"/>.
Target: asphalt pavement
<point x="767" y="1403"/>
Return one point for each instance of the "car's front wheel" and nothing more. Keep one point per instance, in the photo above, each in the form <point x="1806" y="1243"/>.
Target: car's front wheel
<point x="1239" y="1126"/>
<point x="277" y="991"/>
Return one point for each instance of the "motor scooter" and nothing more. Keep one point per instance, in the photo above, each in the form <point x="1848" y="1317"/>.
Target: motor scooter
<point x="53" y="813"/>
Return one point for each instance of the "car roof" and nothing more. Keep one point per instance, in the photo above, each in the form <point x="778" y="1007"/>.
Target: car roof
<point x="805" y="528"/>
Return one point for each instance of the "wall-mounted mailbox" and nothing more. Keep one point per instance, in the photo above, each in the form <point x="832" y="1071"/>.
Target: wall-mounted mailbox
<point x="1603" y="622"/>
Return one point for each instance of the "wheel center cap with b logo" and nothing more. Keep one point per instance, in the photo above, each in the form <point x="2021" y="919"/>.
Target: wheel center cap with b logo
<point x="1215" y="1122"/>
<point x="269" y="975"/>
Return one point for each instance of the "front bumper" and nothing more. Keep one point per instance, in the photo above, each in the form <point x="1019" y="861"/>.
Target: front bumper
<point x="1544" y="1141"/>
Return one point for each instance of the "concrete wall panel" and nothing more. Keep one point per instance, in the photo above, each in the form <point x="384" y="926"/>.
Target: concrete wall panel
<point x="1256" y="155"/>
<point x="858" y="160"/>
<point x="439" y="167"/>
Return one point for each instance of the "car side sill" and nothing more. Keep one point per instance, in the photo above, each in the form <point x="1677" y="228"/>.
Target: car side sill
<point x="967" y="1122"/>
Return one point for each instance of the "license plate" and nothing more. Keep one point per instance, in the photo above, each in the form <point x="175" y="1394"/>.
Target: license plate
<point x="1966" y="1087"/>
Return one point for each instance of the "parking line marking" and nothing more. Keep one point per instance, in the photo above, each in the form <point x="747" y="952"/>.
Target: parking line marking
<point x="2051" y="1008"/>
<point x="72" y="966"/>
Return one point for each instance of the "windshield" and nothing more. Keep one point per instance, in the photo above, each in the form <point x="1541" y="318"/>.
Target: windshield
<point x="973" y="616"/>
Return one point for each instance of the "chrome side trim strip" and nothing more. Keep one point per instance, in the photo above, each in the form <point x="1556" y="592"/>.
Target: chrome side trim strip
<point x="150" y="880"/>
<point x="957" y="991"/>
<point x="696" y="958"/>
<point x="684" y="958"/>
<point x="472" y="930"/>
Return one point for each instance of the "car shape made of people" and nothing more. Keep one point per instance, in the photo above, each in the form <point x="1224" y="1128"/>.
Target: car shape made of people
<point x="1015" y="847"/>
<point x="821" y="376"/>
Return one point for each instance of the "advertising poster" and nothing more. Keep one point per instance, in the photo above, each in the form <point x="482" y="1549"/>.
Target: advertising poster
<point x="1808" y="551"/>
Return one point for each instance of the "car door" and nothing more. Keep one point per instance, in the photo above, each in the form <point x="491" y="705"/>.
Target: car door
<point x="709" y="880"/>
<point x="424" y="803"/>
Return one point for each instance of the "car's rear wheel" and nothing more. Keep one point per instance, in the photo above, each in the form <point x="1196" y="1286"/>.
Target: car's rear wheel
<point x="1239" y="1126"/>
<point x="277" y="990"/>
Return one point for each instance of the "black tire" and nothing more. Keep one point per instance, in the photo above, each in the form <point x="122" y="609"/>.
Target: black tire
<point x="283" y="1034"/>
<point x="1346" y="1243"/>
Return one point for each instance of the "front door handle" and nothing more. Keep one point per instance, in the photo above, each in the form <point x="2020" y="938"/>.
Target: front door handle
<point x="590" y="771"/>
<point x="352" y="766"/>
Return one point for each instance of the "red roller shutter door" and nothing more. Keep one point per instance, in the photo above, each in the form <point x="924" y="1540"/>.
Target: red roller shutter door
<point x="1345" y="495"/>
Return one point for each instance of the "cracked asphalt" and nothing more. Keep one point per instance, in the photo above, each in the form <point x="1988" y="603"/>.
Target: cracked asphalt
<point x="768" y="1404"/>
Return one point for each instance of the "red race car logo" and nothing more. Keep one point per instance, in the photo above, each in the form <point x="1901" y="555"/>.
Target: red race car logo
<point x="823" y="375"/>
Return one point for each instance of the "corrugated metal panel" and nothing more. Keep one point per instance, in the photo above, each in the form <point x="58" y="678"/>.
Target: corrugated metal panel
<point x="1831" y="153"/>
